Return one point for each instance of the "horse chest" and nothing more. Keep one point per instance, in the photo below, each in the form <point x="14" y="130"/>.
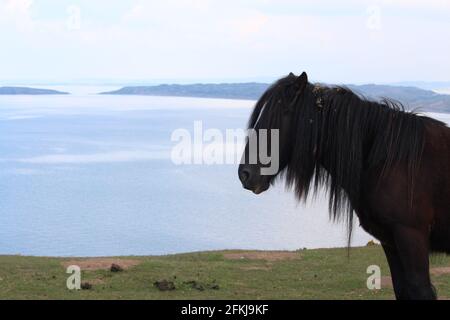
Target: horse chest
<point x="374" y="227"/>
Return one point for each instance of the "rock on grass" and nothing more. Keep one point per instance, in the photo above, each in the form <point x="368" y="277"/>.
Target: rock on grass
<point x="164" y="285"/>
<point x="86" y="286"/>
<point x="116" y="268"/>
<point x="195" y="285"/>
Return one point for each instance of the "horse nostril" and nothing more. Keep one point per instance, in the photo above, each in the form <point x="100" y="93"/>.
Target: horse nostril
<point x="244" y="174"/>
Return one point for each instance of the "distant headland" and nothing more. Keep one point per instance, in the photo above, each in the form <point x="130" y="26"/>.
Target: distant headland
<point x="411" y="97"/>
<point x="27" y="91"/>
<point x="249" y="90"/>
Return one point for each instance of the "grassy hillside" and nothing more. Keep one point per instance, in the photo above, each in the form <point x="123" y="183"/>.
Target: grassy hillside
<point x="304" y="274"/>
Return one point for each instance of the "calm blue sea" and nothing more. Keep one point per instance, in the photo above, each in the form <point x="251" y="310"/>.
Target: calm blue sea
<point x="91" y="175"/>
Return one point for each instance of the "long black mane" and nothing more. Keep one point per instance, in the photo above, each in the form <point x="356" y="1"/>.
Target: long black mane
<point x="337" y="134"/>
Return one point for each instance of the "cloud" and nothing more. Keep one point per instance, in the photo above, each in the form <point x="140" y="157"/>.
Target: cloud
<point x="251" y="25"/>
<point x="17" y="13"/>
<point x="429" y="4"/>
<point x="207" y="39"/>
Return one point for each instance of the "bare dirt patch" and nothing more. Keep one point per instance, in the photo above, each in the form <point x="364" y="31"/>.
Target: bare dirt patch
<point x="101" y="263"/>
<point x="438" y="271"/>
<point x="256" y="268"/>
<point x="386" y="282"/>
<point x="262" y="255"/>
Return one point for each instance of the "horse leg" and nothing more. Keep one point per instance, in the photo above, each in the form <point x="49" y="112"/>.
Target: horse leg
<point x="412" y="247"/>
<point x="395" y="265"/>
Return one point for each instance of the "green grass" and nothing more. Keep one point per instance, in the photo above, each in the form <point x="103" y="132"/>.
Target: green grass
<point x="308" y="274"/>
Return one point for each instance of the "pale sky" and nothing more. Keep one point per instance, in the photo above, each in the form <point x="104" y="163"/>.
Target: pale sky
<point x="350" y="41"/>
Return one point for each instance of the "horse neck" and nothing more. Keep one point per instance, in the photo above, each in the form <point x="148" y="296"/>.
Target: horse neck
<point x="344" y="143"/>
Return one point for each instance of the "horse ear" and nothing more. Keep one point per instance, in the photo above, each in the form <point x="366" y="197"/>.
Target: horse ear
<point x="302" y="79"/>
<point x="301" y="82"/>
<point x="291" y="74"/>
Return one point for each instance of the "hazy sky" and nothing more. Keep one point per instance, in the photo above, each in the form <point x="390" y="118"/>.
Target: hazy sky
<point x="335" y="41"/>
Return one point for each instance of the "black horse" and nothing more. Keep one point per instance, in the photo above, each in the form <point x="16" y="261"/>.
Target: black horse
<point x="388" y="166"/>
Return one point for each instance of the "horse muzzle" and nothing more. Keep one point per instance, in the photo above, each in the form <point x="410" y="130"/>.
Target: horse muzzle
<point x="249" y="183"/>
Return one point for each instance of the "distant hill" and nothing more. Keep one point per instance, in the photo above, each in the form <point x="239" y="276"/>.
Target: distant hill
<point x="250" y="90"/>
<point x="427" y="85"/>
<point x="411" y="97"/>
<point x="27" y="91"/>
